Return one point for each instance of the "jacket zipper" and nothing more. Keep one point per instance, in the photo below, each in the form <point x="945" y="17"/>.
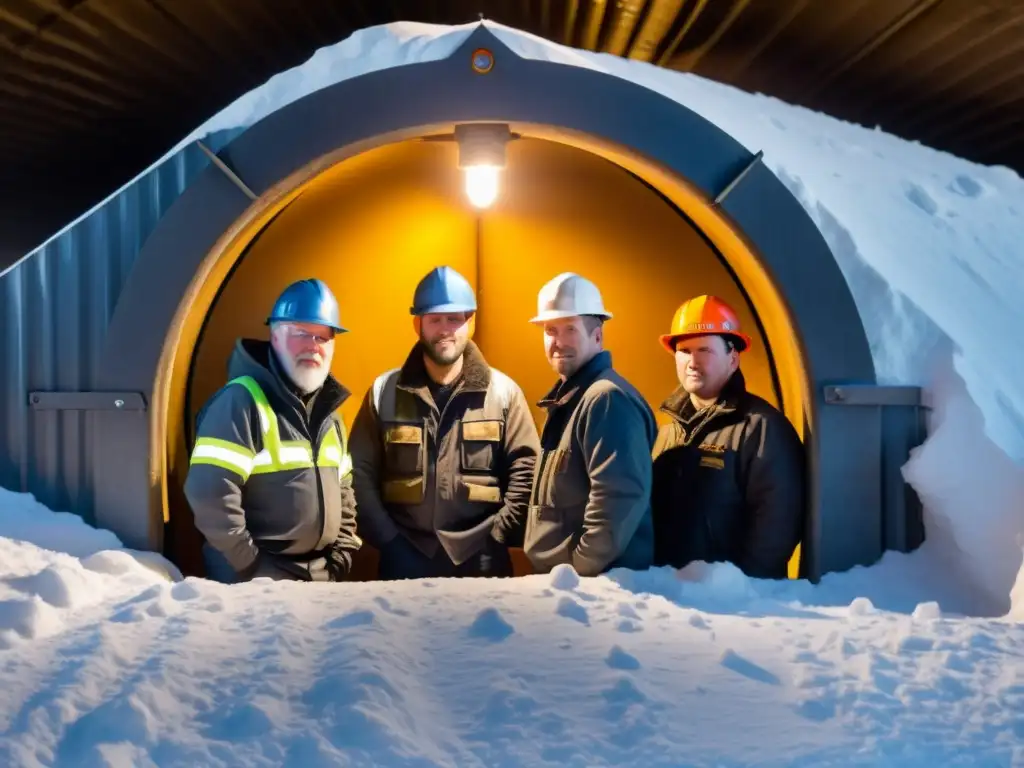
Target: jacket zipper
<point x="319" y="483"/>
<point x="434" y="446"/>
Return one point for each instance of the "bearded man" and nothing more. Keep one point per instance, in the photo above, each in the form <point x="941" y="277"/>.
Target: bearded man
<point x="270" y="475"/>
<point x="443" y="449"/>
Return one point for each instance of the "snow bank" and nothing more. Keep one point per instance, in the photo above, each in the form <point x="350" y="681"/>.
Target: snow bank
<point x="53" y="564"/>
<point x="631" y="669"/>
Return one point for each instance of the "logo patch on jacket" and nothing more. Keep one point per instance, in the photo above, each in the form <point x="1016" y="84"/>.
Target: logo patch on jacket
<point x="712" y="456"/>
<point x="489" y="431"/>
<point x="404" y="435"/>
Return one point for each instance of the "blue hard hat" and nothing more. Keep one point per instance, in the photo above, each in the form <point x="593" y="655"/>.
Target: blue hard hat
<point x="307" y="301"/>
<point x="443" y="290"/>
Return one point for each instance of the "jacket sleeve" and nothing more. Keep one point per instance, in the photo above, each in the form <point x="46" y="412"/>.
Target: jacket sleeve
<point x="348" y="539"/>
<point x="522" y="444"/>
<point x="227" y="439"/>
<point x="617" y="451"/>
<point x="774" y="459"/>
<point x="374" y="523"/>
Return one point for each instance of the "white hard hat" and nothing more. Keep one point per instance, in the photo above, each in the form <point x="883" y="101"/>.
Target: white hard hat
<point x="569" y="295"/>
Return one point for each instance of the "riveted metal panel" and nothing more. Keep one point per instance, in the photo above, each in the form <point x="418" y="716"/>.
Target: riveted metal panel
<point x="55" y="308"/>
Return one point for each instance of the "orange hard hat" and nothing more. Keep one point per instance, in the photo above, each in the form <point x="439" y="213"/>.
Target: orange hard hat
<point x="705" y="316"/>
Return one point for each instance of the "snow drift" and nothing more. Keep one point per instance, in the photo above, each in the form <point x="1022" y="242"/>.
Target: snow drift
<point x="109" y="664"/>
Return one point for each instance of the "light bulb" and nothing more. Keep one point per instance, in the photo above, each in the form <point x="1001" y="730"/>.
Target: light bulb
<point x="482" y="185"/>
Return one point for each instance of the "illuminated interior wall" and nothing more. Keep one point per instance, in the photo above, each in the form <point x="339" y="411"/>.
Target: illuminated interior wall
<point x="373" y="225"/>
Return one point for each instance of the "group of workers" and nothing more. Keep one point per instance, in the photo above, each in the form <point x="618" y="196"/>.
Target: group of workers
<point x="444" y="470"/>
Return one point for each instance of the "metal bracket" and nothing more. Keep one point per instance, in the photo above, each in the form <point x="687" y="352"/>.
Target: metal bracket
<point x="720" y="197"/>
<point x="87" y="401"/>
<point x="873" y="395"/>
<point x="227" y="171"/>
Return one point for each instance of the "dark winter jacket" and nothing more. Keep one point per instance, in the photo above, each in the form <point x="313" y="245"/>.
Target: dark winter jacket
<point x="293" y="519"/>
<point x="448" y="478"/>
<point x="590" y="505"/>
<point x="728" y="488"/>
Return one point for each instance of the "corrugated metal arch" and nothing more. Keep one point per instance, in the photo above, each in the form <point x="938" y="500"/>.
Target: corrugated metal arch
<point x="794" y="282"/>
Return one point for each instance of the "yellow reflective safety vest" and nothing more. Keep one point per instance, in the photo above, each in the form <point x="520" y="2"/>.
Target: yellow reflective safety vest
<point x="277" y="455"/>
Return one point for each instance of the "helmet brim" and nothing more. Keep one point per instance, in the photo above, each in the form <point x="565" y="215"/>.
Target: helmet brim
<point x="669" y="340"/>
<point x="544" y="317"/>
<point x="441" y="309"/>
<point x="310" y="320"/>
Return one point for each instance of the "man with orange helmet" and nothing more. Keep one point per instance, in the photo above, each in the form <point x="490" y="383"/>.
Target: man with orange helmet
<point x="728" y="479"/>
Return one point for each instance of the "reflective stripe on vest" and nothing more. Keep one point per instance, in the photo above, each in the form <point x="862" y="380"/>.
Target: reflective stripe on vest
<point x="277" y="455"/>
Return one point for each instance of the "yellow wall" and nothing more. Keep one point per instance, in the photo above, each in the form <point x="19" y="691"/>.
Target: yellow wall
<point x="373" y="225"/>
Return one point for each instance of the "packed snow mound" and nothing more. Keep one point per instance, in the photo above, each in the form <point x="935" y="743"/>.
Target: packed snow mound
<point x="53" y="564"/>
<point x="24" y="518"/>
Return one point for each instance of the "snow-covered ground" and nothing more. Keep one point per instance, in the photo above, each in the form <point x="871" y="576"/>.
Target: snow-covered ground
<point x="918" y="660"/>
<point x="108" y="663"/>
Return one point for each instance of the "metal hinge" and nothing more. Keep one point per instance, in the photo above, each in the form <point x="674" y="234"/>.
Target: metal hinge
<point x="87" y="401"/>
<point x="873" y="395"/>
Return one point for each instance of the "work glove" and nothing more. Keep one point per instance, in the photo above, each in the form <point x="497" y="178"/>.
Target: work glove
<point x="339" y="562"/>
<point x="495" y="559"/>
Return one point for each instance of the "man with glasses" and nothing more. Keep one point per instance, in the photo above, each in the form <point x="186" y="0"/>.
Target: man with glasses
<point x="443" y="449"/>
<point x="270" y="481"/>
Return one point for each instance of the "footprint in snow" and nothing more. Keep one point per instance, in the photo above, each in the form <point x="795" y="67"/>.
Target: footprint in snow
<point x="966" y="186"/>
<point x="697" y="621"/>
<point x="385" y="605"/>
<point x="625" y="609"/>
<point x="817" y="710"/>
<point x="570" y="609"/>
<point x="353" y="619"/>
<point x="732" y="660"/>
<point x="185" y="590"/>
<point x="619" y="659"/>
<point x="919" y="197"/>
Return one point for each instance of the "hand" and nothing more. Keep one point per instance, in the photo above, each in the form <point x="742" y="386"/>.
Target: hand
<point x="339" y="562"/>
<point x="495" y="559"/>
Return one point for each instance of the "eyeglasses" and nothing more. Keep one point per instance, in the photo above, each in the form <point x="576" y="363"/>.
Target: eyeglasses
<point x="302" y="334"/>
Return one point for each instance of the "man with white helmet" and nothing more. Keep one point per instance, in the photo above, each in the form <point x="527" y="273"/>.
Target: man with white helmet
<point x="728" y="467"/>
<point x="590" y="504"/>
<point x="443" y="448"/>
<point x="270" y="481"/>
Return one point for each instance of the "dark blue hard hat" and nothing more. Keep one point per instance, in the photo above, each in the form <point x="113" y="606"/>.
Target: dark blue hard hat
<point x="443" y="290"/>
<point x="307" y="301"/>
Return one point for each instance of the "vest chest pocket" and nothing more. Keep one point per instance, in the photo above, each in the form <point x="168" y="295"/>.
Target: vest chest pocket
<point x="403" y="449"/>
<point x="479" y="444"/>
<point x="554" y="488"/>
